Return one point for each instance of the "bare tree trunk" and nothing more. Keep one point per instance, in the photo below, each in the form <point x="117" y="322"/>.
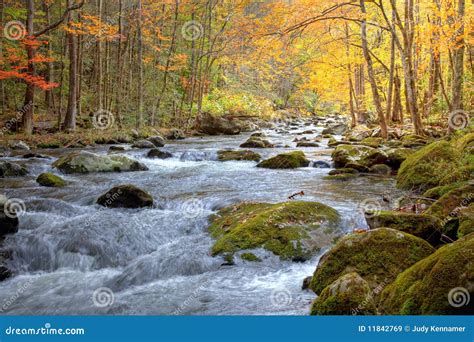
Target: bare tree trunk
<point x="391" y="77"/>
<point x="140" y="67"/>
<point x="397" y="111"/>
<point x="70" y="119"/>
<point x="371" y="74"/>
<point x="458" y="60"/>
<point x="29" y="104"/>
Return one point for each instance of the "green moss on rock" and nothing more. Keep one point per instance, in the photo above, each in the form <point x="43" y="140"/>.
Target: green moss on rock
<point x="250" y="257"/>
<point x="348" y="295"/>
<point x="290" y="160"/>
<point x="292" y="230"/>
<point x="372" y="142"/>
<point x="342" y="177"/>
<point x="125" y="196"/>
<point x="466" y="221"/>
<point x="427" y="287"/>
<point x="378" y="256"/>
<point x="342" y="171"/>
<point x="50" y="180"/>
<point x="380" y="169"/>
<point x="424" y="226"/>
<point x="425" y="168"/>
<point x="238" y="155"/>
<point x="344" y="154"/>
<point x="439" y="191"/>
<point x="397" y="156"/>
<point x="451" y="201"/>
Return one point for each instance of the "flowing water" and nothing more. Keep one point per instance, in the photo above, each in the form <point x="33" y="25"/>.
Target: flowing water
<point x="71" y="256"/>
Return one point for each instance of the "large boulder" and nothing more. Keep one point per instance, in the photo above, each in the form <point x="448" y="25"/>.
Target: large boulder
<point x="214" y="125"/>
<point x="175" y="134"/>
<point x="427" y="227"/>
<point x="291" y="160"/>
<point x="143" y="144"/>
<point x="348" y="295"/>
<point x="378" y="256"/>
<point x="19" y="145"/>
<point x="8" y="169"/>
<point x="246" y="155"/>
<point x="50" y="180"/>
<point x="292" y="230"/>
<point x="256" y="142"/>
<point x="125" y="196"/>
<point x="359" y="133"/>
<point x="426" y="167"/>
<point x="8" y="219"/>
<point x="344" y="154"/>
<point x="440" y="284"/>
<point x="336" y="129"/>
<point x="397" y="156"/>
<point x="157" y="140"/>
<point x="466" y="221"/>
<point x="156" y="153"/>
<point x="85" y="162"/>
<point x="448" y="205"/>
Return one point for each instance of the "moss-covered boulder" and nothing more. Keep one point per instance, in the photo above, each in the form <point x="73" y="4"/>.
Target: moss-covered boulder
<point x="466" y="221"/>
<point x="85" y="162"/>
<point x="427" y="227"/>
<point x="358" y="167"/>
<point x="256" y="142"/>
<point x="373" y="157"/>
<point x="292" y="230"/>
<point x="425" y="168"/>
<point x="50" y="180"/>
<point x="372" y="142"/>
<point x="246" y="155"/>
<point x="439" y="191"/>
<point x="250" y="257"/>
<point x="380" y="169"/>
<point x="291" y="160"/>
<point x="143" y="144"/>
<point x="342" y="177"/>
<point x="440" y="284"/>
<point x="342" y="171"/>
<point x="378" y="256"/>
<point x="414" y="140"/>
<point x="348" y="295"/>
<point x="450" y="202"/>
<point x="8" y="169"/>
<point x="397" y="156"/>
<point x="125" y="196"/>
<point x="155" y="153"/>
<point x="344" y="154"/>
<point x="307" y="144"/>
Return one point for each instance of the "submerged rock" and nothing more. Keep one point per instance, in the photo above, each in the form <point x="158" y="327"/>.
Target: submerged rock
<point x="50" y="180"/>
<point x="378" y="256"/>
<point x="156" y="153"/>
<point x="291" y="160"/>
<point x="440" y="284"/>
<point x="427" y="227"/>
<point x="250" y="257"/>
<point x="85" y="162"/>
<point x="348" y="295"/>
<point x="344" y="154"/>
<point x="307" y="144"/>
<point x="224" y="155"/>
<point x="8" y="169"/>
<point x="125" y="196"/>
<point x="291" y="230"/>
<point x="321" y="164"/>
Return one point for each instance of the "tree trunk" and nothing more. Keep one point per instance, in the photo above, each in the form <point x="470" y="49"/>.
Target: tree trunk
<point x="29" y="105"/>
<point x="70" y="119"/>
<point x="458" y="60"/>
<point x="371" y="74"/>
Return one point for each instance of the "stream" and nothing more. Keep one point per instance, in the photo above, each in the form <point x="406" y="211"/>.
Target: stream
<point x="72" y="257"/>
